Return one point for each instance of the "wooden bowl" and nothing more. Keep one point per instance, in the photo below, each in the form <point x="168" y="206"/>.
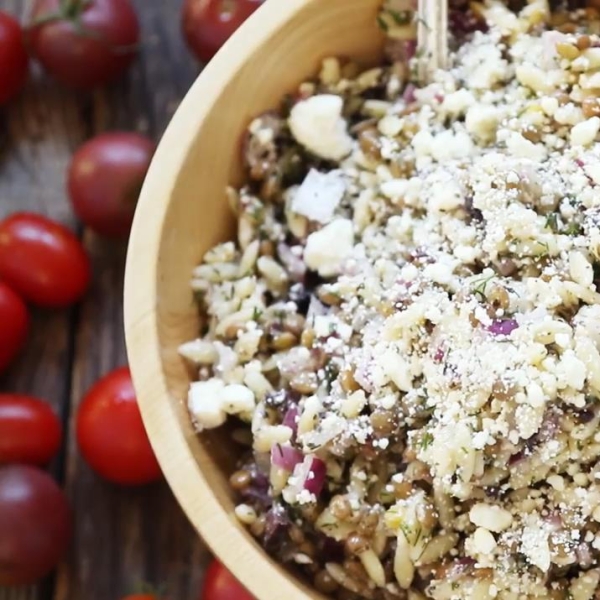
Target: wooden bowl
<point x="182" y="213"/>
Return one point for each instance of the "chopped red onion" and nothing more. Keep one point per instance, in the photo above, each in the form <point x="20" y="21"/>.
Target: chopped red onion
<point x="315" y="478"/>
<point x="409" y="93"/>
<point x="277" y="522"/>
<point x="310" y="475"/>
<point x="258" y="491"/>
<point x="503" y="326"/>
<point x="461" y="565"/>
<point x="516" y="458"/>
<point x="286" y="457"/>
<point x="290" y="418"/>
<point x="410" y="49"/>
<point x="554" y="520"/>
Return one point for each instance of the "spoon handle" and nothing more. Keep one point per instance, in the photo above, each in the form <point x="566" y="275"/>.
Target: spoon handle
<point x="432" y="35"/>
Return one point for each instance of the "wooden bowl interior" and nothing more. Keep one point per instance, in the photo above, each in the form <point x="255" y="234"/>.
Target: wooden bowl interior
<point x="182" y="213"/>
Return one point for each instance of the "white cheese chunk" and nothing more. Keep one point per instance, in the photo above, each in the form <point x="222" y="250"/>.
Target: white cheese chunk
<point x="206" y="404"/>
<point x="318" y="125"/>
<point x="237" y="399"/>
<point x="327" y="248"/>
<point x="319" y="195"/>
<point x="490" y="517"/>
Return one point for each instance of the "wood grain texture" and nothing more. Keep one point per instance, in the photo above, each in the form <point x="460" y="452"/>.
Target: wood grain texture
<point x="182" y="212"/>
<point x="122" y="537"/>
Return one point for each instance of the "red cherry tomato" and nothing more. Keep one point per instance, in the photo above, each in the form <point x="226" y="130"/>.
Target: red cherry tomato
<point x="14" y="325"/>
<point x="208" y="24"/>
<point x="105" y="179"/>
<point x="111" y="434"/>
<point x="13" y="58"/>
<point x="30" y="431"/>
<point x="220" y="584"/>
<point x="35" y="524"/>
<point x="89" y="42"/>
<point x="42" y="260"/>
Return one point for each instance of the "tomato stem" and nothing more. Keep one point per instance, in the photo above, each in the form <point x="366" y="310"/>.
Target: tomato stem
<point x="71" y="9"/>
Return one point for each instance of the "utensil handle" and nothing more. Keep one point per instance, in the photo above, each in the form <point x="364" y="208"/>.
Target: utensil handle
<point x="432" y="36"/>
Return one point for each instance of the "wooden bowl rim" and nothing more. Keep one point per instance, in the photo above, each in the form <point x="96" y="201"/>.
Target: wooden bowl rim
<point x="260" y="575"/>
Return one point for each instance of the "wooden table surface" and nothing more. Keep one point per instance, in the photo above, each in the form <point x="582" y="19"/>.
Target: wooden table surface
<point x="122" y="537"/>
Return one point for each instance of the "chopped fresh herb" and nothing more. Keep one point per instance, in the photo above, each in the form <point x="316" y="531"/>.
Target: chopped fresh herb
<point x="455" y="585"/>
<point x="257" y="211"/>
<point x="280" y="315"/>
<point x="480" y="286"/>
<point x="331" y="373"/>
<point x="572" y="229"/>
<point x="382" y="23"/>
<point x="401" y="17"/>
<point x="545" y="248"/>
<point x="426" y="440"/>
<point x="256" y="314"/>
<point x="552" y="222"/>
<point x="406" y="530"/>
<point x="386" y="497"/>
<point x="418" y="536"/>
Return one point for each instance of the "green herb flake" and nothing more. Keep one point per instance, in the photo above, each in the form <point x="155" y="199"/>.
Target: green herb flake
<point x="572" y="229"/>
<point x="552" y="222"/>
<point x="480" y="286"/>
<point x="545" y="248"/>
<point x="401" y="17"/>
<point x="426" y="440"/>
<point x="382" y="23"/>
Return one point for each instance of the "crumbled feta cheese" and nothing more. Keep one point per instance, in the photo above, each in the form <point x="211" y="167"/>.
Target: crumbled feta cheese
<point x="237" y="399"/>
<point x="318" y="125"/>
<point x="319" y="195"/>
<point x="482" y="122"/>
<point x="484" y="541"/>
<point x="327" y="248"/>
<point x="205" y="402"/>
<point x="490" y="517"/>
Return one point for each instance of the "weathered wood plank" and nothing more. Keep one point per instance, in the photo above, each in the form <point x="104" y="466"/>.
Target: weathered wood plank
<point x="37" y="135"/>
<point x="125" y="537"/>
